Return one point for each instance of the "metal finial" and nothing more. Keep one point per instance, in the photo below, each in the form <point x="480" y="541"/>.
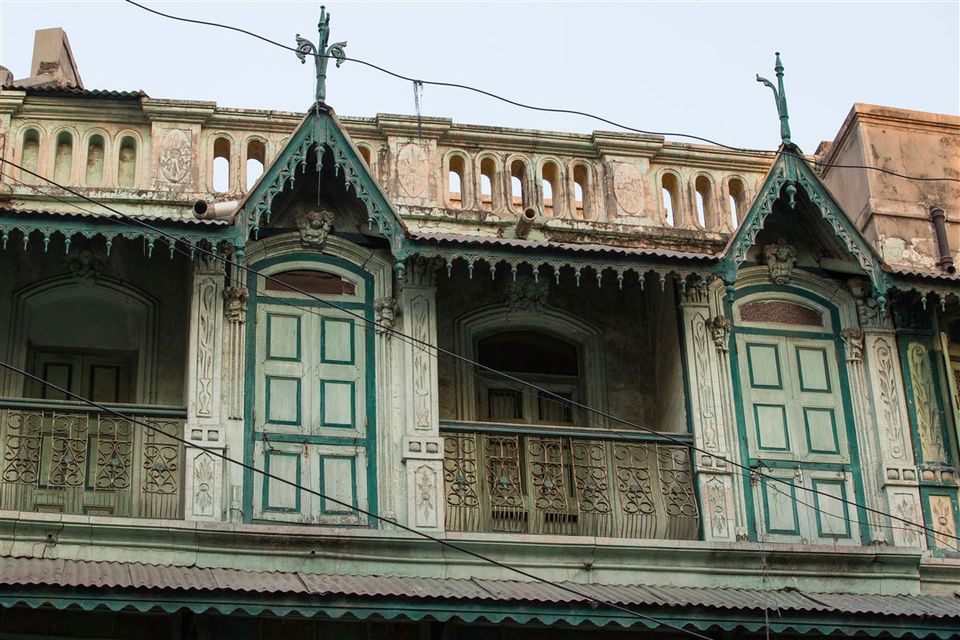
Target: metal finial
<point x="781" y="99"/>
<point x="306" y="48"/>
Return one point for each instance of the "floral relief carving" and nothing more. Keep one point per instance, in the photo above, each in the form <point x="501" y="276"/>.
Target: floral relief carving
<point x="204" y="470"/>
<point x="412" y="169"/>
<point x="206" y="331"/>
<point x="176" y="155"/>
<point x="944" y="524"/>
<point x="717" y="499"/>
<point x="526" y="294"/>
<point x="314" y="228"/>
<point x="425" y="500"/>
<point x="627" y="186"/>
<point x="889" y="412"/>
<point x="705" y="397"/>
<point x="928" y="418"/>
<point x="906" y="509"/>
<point x="420" y="310"/>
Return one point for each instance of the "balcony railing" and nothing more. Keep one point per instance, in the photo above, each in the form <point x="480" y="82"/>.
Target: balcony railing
<point x="553" y="480"/>
<point x="65" y="457"/>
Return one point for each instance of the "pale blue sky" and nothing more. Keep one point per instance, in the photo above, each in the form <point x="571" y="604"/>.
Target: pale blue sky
<point x="685" y="66"/>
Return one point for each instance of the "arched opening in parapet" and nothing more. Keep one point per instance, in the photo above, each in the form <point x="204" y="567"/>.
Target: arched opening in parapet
<point x="256" y="159"/>
<point x="221" y="165"/>
<point x="550" y="174"/>
<point x="127" y="163"/>
<point x="456" y="171"/>
<point x="582" y="208"/>
<point x="702" y="191"/>
<point x="488" y="172"/>
<point x="518" y="172"/>
<point x="93" y="174"/>
<point x="30" y="154"/>
<point x="63" y="157"/>
<point x="736" y="201"/>
<point x="669" y="187"/>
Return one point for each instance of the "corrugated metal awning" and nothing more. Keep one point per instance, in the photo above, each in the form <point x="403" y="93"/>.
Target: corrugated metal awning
<point x="116" y="585"/>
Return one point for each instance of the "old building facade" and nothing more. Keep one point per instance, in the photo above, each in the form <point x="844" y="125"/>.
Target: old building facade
<point x="730" y="400"/>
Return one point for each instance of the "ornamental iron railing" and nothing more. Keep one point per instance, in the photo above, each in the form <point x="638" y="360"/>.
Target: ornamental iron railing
<point x="60" y="457"/>
<point x="561" y="481"/>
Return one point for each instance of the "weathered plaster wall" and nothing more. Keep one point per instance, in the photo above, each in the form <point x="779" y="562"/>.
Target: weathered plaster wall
<point x="159" y="277"/>
<point x="620" y="316"/>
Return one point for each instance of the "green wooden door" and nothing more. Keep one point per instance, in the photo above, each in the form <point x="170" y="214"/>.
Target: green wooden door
<point x="796" y="429"/>
<point x="310" y="412"/>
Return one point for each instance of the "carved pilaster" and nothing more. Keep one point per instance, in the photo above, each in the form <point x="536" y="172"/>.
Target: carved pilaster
<point x="853" y="343"/>
<point x="423" y="457"/>
<point x="235" y="310"/>
<point x="386" y="310"/>
<point x="203" y="477"/>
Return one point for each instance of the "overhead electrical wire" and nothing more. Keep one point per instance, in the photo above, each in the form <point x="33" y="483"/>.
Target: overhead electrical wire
<point x="456" y="85"/>
<point x="266" y="474"/>
<point x="749" y="471"/>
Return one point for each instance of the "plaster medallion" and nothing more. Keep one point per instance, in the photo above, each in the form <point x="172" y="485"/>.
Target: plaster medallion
<point x="314" y="228"/>
<point x="412" y="169"/>
<point x="175" y="155"/>
<point x="627" y="187"/>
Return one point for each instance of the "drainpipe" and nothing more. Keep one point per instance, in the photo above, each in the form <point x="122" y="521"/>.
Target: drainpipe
<point x="945" y="259"/>
<point x="525" y="222"/>
<point x="204" y="210"/>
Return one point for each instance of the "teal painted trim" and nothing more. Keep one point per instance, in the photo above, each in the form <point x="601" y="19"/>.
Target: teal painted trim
<point x="268" y="419"/>
<point x="68" y="406"/>
<point x="307" y="302"/>
<point x="740" y="417"/>
<point x="265" y="499"/>
<point x="323" y="341"/>
<point x="776" y="359"/>
<point x="928" y="518"/>
<point x="787" y="333"/>
<point x="458" y="426"/>
<point x="826" y="370"/>
<point x="370" y="442"/>
<point x="301" y="439"/>
<point x="904" y="343"/>
<point x="756" y="425"/>
<point x="833" y="430"/>
<point x="766" y="507"/>
<point x="816" y="484"/>
<point x="854" y="464"/>
<point x="269" y="337"/>
<point x="810" y="466"/>
<point x="337" y="509"/>
<point x="323" y="404"/>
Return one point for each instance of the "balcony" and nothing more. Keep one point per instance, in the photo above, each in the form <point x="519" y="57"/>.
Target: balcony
<point x="567" y="481"/>
<point x="67" y="457"/>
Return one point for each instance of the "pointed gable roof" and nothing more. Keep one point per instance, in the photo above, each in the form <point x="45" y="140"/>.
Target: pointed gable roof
<point x="791" y="174"/>
<point x="321" y="133"/>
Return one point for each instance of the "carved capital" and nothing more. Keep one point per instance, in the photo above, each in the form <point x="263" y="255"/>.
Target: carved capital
<point x="235" y="303"/>
<point x="780" y="258"/>
<point x="853" y="343"/>
<point x="88" y="263"/>
<point x="868" y="311"/>
<point x="314" y="228"/>
<point x="421" y="271"/>
<point x="720" y="330"/>
<point x="205" y="264"/>
<point x="387" y="311"/>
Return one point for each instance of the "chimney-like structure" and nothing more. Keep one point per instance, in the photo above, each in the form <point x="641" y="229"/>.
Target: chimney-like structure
<point x="53" y="63"/>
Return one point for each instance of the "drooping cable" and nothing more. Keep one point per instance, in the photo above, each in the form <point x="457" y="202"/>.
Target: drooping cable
<point x="574" y="112"/>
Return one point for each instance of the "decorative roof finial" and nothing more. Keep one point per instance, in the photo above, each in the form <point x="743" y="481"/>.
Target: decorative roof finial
<point x="781" y="99"/>
<point x="323" y="53"/>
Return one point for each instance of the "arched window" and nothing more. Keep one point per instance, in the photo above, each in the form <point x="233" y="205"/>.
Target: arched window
<point x="488" y="176"/>
<point x="581" y="188"/>
<point x="93" y="175"/>
<point x="702" y="191"/>
<point x="221" y="165"/>
<point x="669" y="187"/>
<point x="455" y="175"/>
<point x="365" y="154"/>
<point x="518" y="174"/>
<point x="63" y="157"/>
<point x="256" y="159"/>
<point x="736" y="201"/>
<point x="30" y="154"/>
<point x="127" y="163"/>
<point x="542" y="359"/>
<point x="550" y="174"/>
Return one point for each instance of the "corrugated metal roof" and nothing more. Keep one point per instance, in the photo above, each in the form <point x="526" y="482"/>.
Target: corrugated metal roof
<point x="927" y="275"/>
<point x="452" y="240"/>
<point x="190" y="220"/>
<point x="26" y="572"/>
<point x="77" y="91"/>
